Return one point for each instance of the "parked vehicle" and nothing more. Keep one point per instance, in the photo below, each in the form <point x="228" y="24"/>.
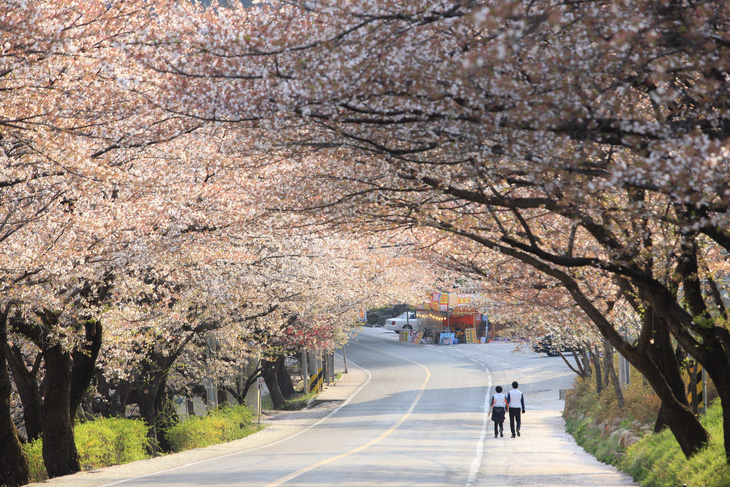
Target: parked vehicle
<point x="405" y="321"/>
<point x="546" y="345"/>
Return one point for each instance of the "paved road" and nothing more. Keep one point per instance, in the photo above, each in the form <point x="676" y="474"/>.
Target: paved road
<point x="404" y="415"/>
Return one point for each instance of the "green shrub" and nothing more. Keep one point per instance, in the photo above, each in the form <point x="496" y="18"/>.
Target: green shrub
<point x="34" y="450"/>
<point x="596" y="421"/>
<point x="100" y="443"/>
<point x="581" y="399"/>
<point x="641" y="404"/>
<point x="111" y="441"/>
<point x="225" y="424"/>
<point x="657" y="459"/>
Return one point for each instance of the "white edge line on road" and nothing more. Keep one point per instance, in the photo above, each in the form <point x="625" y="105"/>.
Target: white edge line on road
<point x="344" y="403"/>
<point x="476" y="464"/>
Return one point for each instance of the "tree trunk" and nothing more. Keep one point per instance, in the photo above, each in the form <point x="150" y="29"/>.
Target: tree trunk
<point x="661" y="421"/>
<point x="166" y="417"/>
<point x="160" y="424"/>
<point x="685" y="426"/>
<point x="606" y="349"/>
<point x="13" y="461"/>
<point x="658" y="363"/>
<point x="725" y="402"/>
<point x="648" y="356"/>
<point x="661" y="369"/>
<point x="145" y="401"/>
<point x="248" y="381"/>
<point x="719" y="372"/>
<point x="283" y="378"/>
<point x="26" y="382"/>
<point x="269" y="374"/>
<point x="59" y="449"/>
<point x="84" y="360"/>
<point x="596" y="357"/>
<point x="579" y="368"/>
<point x="687" y="429"/>
<point x="587" y="359"/>
<point x="611" y="372"/>
<point x="84" y="363"/>
<point x="114" y="397"/>
<point x="715" y="362"/>
<point x="149" y="399"/>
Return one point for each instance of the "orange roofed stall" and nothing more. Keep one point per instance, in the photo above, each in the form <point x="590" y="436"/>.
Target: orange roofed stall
<point x="453" y="313"/>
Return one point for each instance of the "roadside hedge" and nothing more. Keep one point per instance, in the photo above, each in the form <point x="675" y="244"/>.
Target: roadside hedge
<point x="100" y="443"/>
<point x="225" y="424"/>
<point x="111" y="441"/>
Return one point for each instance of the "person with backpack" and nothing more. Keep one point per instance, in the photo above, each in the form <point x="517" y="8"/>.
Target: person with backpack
<point x="497" y="410"/>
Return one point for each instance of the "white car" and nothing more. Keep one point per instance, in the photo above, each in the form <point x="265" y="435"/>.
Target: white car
<point x="406" y="321"/>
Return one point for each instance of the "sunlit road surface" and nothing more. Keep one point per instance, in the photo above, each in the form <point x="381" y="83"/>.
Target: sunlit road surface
<point x="417" y="416"/>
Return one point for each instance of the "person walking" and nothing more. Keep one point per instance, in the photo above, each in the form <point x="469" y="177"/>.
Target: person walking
<point x="497" y="410"/>
<point x="516" y="403"/>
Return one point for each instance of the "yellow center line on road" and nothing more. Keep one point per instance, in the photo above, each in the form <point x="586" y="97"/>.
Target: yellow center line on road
<point x="370" y="443"/>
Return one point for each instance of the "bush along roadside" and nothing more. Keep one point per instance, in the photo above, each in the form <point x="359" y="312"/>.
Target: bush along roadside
<point x="601" y="426"/>
<point x="657" y="460"/>
<point x="100" y="443"/>
<point x="624" y="437"/>
<point x="105" y="442"/>
<point x="222" y="425"/>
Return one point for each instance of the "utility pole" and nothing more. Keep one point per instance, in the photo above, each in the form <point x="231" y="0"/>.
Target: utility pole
<point x="305" y="371"/>
<point x="624" y="369"/>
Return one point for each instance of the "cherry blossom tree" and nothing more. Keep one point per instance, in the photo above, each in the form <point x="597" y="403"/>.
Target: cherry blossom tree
<point x="580" y="139"/>
<point x="59" y="191"/>
<point x="113" y="205"/>
<point x="585" y="141"/>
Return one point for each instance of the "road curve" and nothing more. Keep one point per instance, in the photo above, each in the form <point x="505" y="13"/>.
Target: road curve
<point x="414" y="415"/>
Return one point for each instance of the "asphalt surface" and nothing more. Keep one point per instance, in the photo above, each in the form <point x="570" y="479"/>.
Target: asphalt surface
<point x="545" y="455"/>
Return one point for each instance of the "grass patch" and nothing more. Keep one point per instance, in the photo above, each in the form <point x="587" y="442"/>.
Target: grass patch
<point x="299" y="401"/>
<point x="592" y="439"/>
<point x="655" y="460"/>
<point x="658" y="461"/>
